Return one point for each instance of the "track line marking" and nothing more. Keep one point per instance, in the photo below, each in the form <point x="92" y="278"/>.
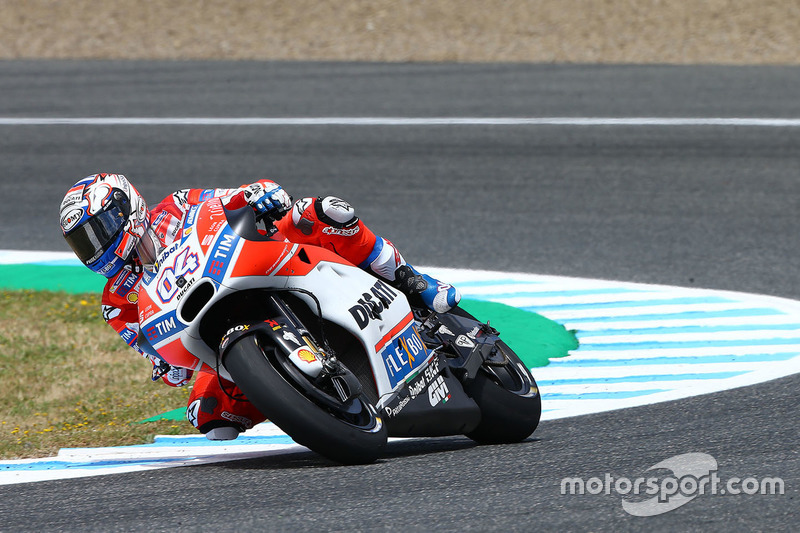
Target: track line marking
<point x="405" y="121"/>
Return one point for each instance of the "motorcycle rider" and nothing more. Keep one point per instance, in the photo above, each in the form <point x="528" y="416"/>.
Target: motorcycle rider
<point x="108" y="225"/>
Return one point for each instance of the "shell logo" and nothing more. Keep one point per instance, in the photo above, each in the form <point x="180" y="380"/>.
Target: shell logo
<point x="306" y="355"/>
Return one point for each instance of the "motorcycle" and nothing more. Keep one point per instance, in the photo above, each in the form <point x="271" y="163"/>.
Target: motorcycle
<point x="337" y="358"/>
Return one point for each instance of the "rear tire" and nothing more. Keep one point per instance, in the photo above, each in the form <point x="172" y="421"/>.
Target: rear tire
<point x="355" y="438"/>
<point x="509" y="401"/>
<point x="507" y="396"/>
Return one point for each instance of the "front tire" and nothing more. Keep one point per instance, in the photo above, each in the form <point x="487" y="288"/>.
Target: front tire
<point x="353" y="435"/>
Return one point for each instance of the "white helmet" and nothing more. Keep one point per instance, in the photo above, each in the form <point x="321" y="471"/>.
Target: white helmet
<point x="103" y="219"/>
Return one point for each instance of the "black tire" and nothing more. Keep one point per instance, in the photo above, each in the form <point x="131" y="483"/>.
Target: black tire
<point x="349" y="439"/>
<point x="507" y="396"/>
<point x="509" y="401"/>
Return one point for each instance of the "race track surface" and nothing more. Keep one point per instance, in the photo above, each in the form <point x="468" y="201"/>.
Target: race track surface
<point x="696" y="206"/>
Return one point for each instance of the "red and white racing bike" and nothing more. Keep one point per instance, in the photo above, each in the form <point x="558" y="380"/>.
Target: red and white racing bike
<point x="335" y="357"/>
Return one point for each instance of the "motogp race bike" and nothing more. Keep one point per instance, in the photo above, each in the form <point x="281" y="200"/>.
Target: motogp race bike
<point x="334" y="356"/>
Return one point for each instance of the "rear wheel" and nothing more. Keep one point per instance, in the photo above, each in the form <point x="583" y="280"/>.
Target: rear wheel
<point x="348" y="432"/>
<point x="507" y="396"/>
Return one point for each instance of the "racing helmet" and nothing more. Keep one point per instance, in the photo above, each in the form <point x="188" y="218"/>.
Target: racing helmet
<point x="103" y="218"/>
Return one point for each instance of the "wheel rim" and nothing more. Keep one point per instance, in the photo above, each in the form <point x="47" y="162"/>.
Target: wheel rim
<point x="356" y="413"/>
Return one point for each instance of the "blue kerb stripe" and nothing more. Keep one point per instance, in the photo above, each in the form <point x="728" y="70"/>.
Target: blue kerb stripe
<point x="688" y="329"/>
<point x="599" y="395"/>
<point x="628" y="303"/>
<point x="729" y="313"/>
<point x="202" y="441"/>
<point x="730" y="358"/>
<point x="617" y="346"/>
<point x="83" y="465"/>
<point x="639" y="379"/>
<point x="542" y="294"/>
<point x="464" y="284"/>
<point x="57" y="262"/>
<point x="160" y="442"/>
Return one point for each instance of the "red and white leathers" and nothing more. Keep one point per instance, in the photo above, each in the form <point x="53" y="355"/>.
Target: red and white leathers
<point x="327" y="222"/>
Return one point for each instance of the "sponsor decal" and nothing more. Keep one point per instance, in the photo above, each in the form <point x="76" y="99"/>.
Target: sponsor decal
<point x="241" y="327"/>
<point x="430" y="373"/>
<point x="445" y="330"/>
<point x="244" y="421"/>
<point x="159" y="219"/>
<point x="289" y="336"/>
<point x="164" y="327"/>
<point x="132" y="297"/>
<point x="337" y="209"/>
<point x="191" y="215"/>
<point x="181" y="197"/>
<point x="128" y="335"/>
<point x="345" y="232"/>
<point x="74" y="195"/>
<point x="187" y="284"/>
<point x="403" y="354"/>
<point x="301" y="205"/>
<point x="126" y="244"/>
<point x="220" y="254"/>
<point x="124" y="283"/>
<point x="438" y="392"/>
<point x="109" y="267"/>
<point x="371" y="304"/>
<point x="465" y="342"/>
<point x="147" y="312"/>
<point x="109" y="312"/>
<point x="416" y="387"/>
<point x="306" y="355"/>
<point x="394" y="411"/>
<point x="193" y="410"/>
<point x="227" y="337"/>
<point x="206" y="194"/>
<point x="163" y="255"/>
<point x="71" y="219"/>
<point x="215" y="209"/>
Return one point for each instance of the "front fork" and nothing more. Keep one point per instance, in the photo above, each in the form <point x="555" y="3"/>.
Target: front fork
<point x="297" y="352"/>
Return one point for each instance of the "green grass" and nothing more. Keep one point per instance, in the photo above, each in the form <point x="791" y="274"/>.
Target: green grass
<point x="68" y="380"/>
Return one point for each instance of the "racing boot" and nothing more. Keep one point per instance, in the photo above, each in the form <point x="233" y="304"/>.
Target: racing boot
<point x="422" y="290"/>
<point x="437" y="296"/>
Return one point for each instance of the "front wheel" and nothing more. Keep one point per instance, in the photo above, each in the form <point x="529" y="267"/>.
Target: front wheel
<point x="508" y="398"/>
<point x="350" y="433"/>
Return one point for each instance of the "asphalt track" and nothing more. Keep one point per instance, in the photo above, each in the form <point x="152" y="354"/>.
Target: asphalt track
<point x="707" y="206"/>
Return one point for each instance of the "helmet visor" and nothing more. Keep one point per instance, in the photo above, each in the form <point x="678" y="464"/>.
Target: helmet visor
<point x="92" y="239"/>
